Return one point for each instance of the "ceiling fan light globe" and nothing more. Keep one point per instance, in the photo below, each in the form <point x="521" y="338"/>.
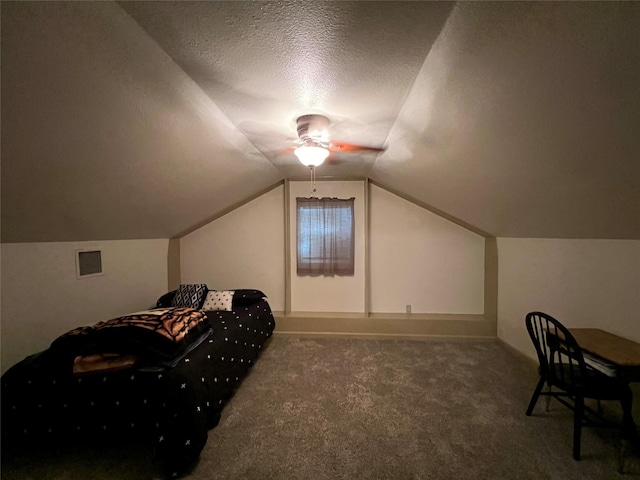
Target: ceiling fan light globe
<point x="311" y="156"/>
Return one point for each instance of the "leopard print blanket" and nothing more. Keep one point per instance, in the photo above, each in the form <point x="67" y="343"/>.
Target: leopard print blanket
<point x="172" y="323"/>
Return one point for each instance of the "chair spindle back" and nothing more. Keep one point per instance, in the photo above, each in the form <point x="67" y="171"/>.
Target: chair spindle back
<point x="559" y="354"/>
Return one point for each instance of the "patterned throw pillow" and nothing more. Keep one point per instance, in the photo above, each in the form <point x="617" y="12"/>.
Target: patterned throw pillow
<point x="218" y="300"/>
<point x="190" y="296"/>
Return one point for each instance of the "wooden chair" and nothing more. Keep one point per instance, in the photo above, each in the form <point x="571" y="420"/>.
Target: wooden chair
<point x="562" y="366"/>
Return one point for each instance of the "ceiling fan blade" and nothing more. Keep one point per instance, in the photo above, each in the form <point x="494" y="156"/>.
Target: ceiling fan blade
<point x="351" y="148"/>
<point x="266" y="133"/>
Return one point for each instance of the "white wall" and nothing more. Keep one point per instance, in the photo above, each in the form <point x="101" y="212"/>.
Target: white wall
<point x="417" y="257"/>
<point x="329" y="294"/>
<point x="582" y="283"/>
<point x="421" y="259"/>
<point x="242" y="249"/>
<point x="42" y="298"/>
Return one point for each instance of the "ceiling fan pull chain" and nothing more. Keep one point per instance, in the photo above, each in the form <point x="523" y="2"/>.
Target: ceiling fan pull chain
<point x="313" y="179"/>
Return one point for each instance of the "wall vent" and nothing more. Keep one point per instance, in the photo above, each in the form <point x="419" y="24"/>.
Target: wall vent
<point x="88" y="263"/>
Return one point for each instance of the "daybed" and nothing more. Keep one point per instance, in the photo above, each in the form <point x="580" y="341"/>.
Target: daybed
<point x="161" y="375"/>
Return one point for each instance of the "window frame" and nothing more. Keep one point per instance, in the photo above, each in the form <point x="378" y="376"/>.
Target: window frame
<point x="333" y="255"/>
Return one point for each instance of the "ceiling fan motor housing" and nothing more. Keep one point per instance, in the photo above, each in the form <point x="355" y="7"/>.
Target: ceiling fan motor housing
<point x="312" y="128"/>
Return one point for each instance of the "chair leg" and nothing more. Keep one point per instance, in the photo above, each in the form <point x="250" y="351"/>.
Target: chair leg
<point x="578" y="413"/>
<point x="534" y="397"/>
<point x="621" y="455"/>
<point x="548" y="402"/>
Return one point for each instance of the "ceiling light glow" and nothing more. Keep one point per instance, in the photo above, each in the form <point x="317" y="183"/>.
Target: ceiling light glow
<point x="311" y="156"/>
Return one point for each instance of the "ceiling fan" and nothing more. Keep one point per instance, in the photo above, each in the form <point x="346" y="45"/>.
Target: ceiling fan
<point x="314" y="145"/>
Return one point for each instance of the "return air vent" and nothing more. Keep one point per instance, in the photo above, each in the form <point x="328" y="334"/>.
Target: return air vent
<point x="88" y="263"/>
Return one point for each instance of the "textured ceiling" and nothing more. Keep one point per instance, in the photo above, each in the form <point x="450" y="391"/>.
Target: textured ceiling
<point x="141" y="119"/>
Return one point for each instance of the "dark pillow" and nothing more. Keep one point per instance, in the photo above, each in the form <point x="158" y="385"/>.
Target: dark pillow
<point x="165" y="300"/>
<point x="247" y="297"/>
<point x="190" y="295"/>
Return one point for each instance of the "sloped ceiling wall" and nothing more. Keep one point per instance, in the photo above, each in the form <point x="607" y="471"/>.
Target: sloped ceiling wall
<point x="142" y="119"/>
<point x="104" y="136"/>
<point x="525" y="120"/>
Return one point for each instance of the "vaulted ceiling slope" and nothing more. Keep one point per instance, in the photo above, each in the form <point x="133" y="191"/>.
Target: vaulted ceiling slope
<point x="141" y="119"/>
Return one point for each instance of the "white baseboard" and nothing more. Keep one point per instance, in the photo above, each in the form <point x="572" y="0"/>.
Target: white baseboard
<point x="385" y="326"/>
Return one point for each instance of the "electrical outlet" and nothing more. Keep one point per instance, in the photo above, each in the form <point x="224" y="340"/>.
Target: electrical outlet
<point x="408" y="308"/>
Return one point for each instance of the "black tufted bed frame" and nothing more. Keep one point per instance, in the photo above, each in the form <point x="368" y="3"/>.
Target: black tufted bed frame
<point x="169" y="402"/>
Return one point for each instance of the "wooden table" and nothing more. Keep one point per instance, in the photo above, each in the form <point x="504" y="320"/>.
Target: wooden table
<point x="621" y="355"/>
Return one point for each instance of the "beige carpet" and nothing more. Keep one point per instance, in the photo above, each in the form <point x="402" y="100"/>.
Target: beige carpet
<point x="366" y="409"/>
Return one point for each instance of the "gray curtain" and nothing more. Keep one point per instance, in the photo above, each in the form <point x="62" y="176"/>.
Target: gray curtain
<point x="325" y="236"/>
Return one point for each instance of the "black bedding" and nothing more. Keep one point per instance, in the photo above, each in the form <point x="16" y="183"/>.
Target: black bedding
<point x="170" y="403"/>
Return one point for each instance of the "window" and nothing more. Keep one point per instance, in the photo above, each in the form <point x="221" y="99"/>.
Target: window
<point x="325" y="236"/>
